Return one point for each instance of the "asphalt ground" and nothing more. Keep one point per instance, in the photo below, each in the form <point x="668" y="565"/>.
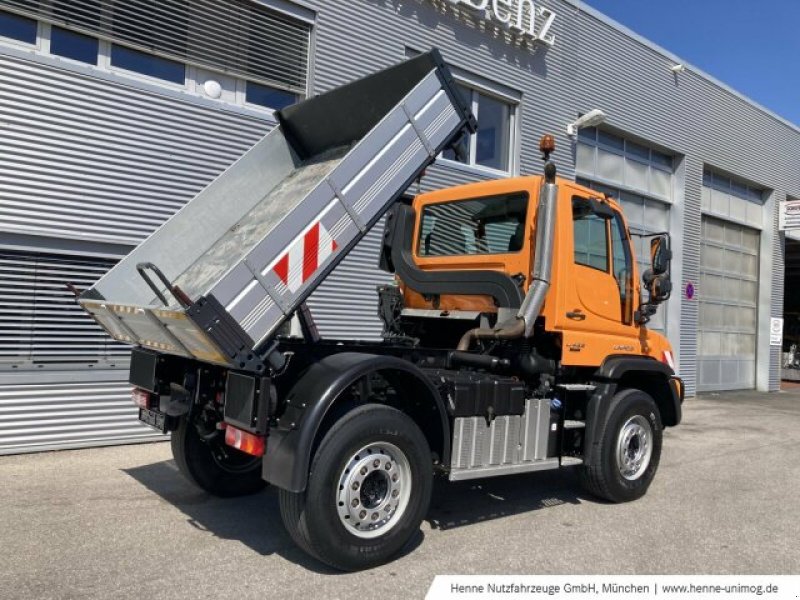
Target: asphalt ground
<point x="121" y="522"/>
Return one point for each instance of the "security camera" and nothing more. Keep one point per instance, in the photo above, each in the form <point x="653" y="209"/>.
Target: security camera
<point x="590" y="119"/>
<point x="679" y="68"/>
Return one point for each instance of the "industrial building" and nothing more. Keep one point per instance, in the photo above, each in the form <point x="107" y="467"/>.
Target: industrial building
<point x="114" y="114"/>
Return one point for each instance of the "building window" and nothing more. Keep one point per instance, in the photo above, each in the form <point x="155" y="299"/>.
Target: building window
<point x="732" y="199"/>
<point x="18" y="28"/>
<point x="72" y="45"/>
<point x="605" y="156"/>
<point x="240" y="38"/>
<point x="147" y="64"/>
<point x="257" y="55"/>
<point x="732" y="186"/>
<point x="491" y="147"/>
<point x="271" y="97"/>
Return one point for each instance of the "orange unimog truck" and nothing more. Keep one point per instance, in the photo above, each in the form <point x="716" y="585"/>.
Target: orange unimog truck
<point x="515" y="335"/>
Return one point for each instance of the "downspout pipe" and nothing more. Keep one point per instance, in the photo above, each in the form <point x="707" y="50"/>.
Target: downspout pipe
<point x="522" y="324"/>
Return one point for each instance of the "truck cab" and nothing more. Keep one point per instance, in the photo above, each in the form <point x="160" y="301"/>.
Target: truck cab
<point x="487" y="231"/>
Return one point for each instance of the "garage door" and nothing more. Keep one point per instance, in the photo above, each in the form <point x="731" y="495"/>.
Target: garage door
<point x="728" y="298"/>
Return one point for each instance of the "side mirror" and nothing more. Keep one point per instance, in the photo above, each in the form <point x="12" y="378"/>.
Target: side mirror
<point x="660" y="288"/>
<point x="660" y="255"/>
<point x="601" y="209"/>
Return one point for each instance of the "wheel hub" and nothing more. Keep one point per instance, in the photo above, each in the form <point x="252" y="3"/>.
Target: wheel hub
<point x="634" y="447"/>
<point x="374" y="489"/>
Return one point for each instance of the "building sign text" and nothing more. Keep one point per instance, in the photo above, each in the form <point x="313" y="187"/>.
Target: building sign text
<point x="522" y="17"/>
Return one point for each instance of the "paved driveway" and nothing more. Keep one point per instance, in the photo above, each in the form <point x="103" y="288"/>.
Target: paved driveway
<point x="121" y="523"/>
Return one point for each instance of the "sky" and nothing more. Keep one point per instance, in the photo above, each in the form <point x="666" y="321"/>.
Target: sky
<point x="751" y="45"/>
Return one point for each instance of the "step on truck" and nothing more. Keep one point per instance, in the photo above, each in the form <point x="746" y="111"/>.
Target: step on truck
<point x="515" y="331"/>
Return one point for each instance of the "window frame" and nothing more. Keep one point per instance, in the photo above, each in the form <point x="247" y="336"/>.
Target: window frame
<point x="17" y="43"/>
<point x="513" y="104"/>
<point x="594" y="145"/>
<point x="626" y="300"/>
<point x="47" y="45"/>
<point x="726" y="184"/>
<point x="418" y="241"/>
<point x="245" y="85"/>
<point x="235" y="98"/>
<point x="143" y="76"/>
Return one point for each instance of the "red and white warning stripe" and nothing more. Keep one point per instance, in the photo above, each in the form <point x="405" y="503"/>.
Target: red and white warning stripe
<point x="668" y="359"/>
<point x="304" y="256"/>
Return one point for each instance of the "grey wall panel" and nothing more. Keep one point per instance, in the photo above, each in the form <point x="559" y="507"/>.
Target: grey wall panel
<point x="90" y="159"/>
<point x="777" y="281"/>
<point x="689" y="255"/>
<point x="346" y="304"/>
<point x="69" y="415"/>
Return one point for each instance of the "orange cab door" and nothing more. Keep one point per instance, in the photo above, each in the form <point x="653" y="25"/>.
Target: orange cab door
<point x="598" y="309"/>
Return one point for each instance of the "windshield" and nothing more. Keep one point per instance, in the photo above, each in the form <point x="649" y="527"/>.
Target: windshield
<point x="490" y="225"/>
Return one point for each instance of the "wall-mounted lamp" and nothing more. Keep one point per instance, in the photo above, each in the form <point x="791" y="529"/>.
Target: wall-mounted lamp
<point x="590" y="119"/>
<point x="679" y="68"/>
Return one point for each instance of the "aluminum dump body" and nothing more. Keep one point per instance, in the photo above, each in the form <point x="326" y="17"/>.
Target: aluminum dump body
<point x="234" y="263"/>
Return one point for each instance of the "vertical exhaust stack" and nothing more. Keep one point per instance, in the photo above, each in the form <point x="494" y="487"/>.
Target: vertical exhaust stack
<point x="522" y="325"/>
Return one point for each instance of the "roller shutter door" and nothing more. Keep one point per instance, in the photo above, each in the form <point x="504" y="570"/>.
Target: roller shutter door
<point x="69" y="415"/>
<point x="728" y="296"/>
<point x="49" y="399"/>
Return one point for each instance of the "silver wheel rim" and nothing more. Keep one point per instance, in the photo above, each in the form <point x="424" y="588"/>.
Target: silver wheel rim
<point x="374" y="490"/>
<point x="634" y="447"/>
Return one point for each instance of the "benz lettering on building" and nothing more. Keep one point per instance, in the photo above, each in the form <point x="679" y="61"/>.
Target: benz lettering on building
<point x="522" y="17"/>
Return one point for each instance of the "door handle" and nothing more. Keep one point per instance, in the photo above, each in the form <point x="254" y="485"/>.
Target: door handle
<point x="577" y="315"/>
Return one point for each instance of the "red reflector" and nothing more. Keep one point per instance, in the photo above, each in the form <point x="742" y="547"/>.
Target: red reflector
<point x="140" y="398"/>
<point x="245" y="441"/>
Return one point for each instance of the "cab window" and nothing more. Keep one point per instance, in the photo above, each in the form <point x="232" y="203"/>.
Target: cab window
<point x="590" y="235"/>
<point x="490" y="225"/>
<point x="623" y="267"/>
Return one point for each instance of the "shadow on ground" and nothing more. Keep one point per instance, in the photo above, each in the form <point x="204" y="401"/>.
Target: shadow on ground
<point x="255" y="520"/>
<point x="468" y="502"/>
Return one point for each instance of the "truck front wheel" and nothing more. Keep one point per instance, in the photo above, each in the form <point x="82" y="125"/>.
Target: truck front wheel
<point x="630" y="448"/>
<point x="368" y="490"/>
<point x="211" y="465"/>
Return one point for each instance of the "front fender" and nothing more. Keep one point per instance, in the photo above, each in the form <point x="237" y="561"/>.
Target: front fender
<point x="290" y="444"/>
<point x="647" y="374"/>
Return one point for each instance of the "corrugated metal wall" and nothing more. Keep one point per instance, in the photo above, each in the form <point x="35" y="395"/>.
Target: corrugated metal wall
<point x="69" y="415"/>
<point x="85" y="159"/>
<point x="88" y="159"/>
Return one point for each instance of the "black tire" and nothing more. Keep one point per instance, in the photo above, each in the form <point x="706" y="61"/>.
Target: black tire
<point x="314" y="518"/>
<point x="213" y="466"/>
<point x="611" y="477"/>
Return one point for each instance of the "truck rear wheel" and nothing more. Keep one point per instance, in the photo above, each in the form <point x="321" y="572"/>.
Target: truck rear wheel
<point x="214" y="466"/>
<point x="368" y="490"/>
<point x="630" y="448"/>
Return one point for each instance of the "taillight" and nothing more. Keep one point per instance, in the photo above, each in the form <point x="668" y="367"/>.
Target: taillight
<point x="245" y="441"/>
<point x="667" y="359"/>
<point x="141" y="398"/>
